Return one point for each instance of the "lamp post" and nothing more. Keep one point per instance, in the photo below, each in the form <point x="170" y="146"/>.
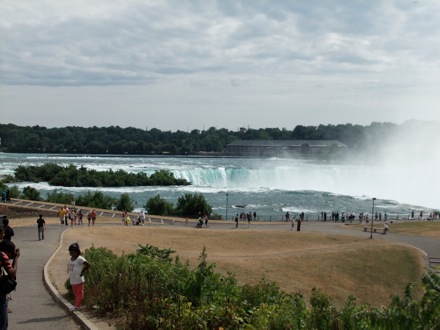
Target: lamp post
<point x="227" y="195"/>
<point x="372" y="219"/>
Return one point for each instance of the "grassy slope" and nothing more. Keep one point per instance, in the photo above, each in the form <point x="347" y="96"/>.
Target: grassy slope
<point x="371" y="270"/>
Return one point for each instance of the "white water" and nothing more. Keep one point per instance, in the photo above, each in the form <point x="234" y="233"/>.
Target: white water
<point x="268" y="186"/>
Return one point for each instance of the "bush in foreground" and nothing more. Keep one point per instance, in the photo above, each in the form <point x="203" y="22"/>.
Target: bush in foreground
<point x="148" y="290"/>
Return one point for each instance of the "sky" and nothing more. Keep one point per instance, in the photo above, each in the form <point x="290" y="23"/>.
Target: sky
<point x="183" y="64"/>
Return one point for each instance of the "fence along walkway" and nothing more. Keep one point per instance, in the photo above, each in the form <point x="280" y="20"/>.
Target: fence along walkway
<point x="55" y="207"/>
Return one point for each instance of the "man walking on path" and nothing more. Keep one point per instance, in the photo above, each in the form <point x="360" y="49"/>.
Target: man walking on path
<point x="41" y="224"/>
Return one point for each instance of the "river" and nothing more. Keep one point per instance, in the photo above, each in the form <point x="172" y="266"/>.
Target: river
<point x="269" y="187"/>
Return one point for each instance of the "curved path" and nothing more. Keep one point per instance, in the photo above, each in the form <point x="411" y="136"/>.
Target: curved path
<point x="34" y="308"/>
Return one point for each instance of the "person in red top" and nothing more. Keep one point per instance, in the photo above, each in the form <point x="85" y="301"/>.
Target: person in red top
<point x="8" y="251"/>
<point x="93" y="216"/>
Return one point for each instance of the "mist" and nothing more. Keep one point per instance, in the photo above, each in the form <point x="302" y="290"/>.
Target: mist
<point x="403" y="164"/>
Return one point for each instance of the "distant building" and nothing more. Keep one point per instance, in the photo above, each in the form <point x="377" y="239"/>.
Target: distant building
<point x="282" y="148"/>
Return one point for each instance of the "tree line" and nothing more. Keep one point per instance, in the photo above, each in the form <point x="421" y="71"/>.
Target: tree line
<point x="135" y="141"/>
<point x="72" y="176"/>
<point x="188" y="205"/>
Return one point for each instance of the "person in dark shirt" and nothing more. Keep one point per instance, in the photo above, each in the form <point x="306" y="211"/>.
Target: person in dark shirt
<point x="7" y="230"/>
<point x="8" y="251"/>
<point x="41" y="224"/>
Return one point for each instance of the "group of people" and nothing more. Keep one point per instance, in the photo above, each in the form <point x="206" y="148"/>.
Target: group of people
<point x="75" y="216"/>
<point x="9" y="255"/>
<point x="6" y="196"/>
<point x="350" y="216"/>
<point x="243" y="216"/>
<point x="203" y="219"/>
<point x="135" y="221"/>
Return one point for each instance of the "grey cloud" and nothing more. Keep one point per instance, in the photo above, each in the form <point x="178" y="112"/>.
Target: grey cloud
<point x="141" y="42"/>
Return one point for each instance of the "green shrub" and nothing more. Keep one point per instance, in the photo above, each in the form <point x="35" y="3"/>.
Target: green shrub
<point x="59" y="197"/>
<point x="322" y="313"/>
<point x="14" y="191"/>
<point x="159" y="206"/>
<point x="124" y="203"/>
<point x="30" y="194"/>
<point x="96" y="200"/>
<point x="192" y="205"/>
<point x="147" y="290"/>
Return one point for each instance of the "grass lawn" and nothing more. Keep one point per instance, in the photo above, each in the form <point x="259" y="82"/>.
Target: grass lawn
<point x="371" y="270"/>
<point x="427" y="228"/>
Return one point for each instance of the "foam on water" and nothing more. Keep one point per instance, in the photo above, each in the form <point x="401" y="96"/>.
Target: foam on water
<point x="265" y="185"/>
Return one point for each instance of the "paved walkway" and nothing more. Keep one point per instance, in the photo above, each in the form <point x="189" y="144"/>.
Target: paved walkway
<point x="34" y="308"/>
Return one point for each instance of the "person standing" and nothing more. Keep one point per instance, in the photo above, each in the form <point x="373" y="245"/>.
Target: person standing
<point x="206" y="220"/>
<point x="8" y="251"/>
<point x="124" y="218"/>
<point x="236" y="220"/>
<point x="142" y="216"/>
<point x="61" y="215"/>
<point x="41" y="225"/>
<point x="78" y="265"/>
<point x="80" y="217"/>
<point x="7" y="230"/>
<point x="93" y="216"/>
<point x="66" y="215"/>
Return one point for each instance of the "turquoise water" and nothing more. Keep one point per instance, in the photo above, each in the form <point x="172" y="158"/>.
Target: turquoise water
<point x="270" y="187"/>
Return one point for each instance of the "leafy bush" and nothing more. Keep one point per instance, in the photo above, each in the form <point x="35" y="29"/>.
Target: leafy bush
<point x="154" y="252"/>
<point x="59" y="197"/>
<point x="96" y="200"/>
<point x="159" y="206"/>
<point x="166" y="178"/>
<point x="31" y="194"/>
<point x="192" y="205"/>
<point x="13" y="191"/>
<point x="124" y="203"/>
<point x="188" y="205"/>
<point x="160" y="293"/>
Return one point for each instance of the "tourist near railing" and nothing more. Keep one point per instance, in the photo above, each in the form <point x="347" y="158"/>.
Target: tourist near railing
<point x="316" y="216"/>
<point x="308" y="216"/>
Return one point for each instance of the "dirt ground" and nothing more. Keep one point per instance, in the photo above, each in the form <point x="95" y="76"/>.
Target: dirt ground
<point x="340" y="265"/>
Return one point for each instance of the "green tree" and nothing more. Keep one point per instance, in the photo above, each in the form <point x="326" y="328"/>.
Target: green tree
<point x="159" y="206"/>
<point x="124" y="203"/>
<point x="191" y="205"/>
<point x="31" y="194"/>
<point x="96" y="199"/>
<point x="58" y="197"/>
<point x="14" y="191"/>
